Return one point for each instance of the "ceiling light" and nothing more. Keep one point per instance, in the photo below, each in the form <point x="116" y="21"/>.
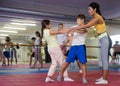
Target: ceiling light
<point x="15" y="28"/>
<point x="4" y="35"/>
<point x="27" y="24"/>
<point x="7" y="31"/>
<point x="23" y="21"/>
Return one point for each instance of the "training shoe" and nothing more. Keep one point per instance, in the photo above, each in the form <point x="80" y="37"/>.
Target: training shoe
<point x="80" y="71"/>
<point x="102" y="82"/>
<point x="59" y="78"/>
<point x="101" y="78"/>
<point x="49" y="80"/>
<point x="84" y="81"/>
<point x="68" y="79"/>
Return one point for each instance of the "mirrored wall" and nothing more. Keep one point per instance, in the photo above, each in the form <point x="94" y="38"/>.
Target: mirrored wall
<point x="22" y="30"/>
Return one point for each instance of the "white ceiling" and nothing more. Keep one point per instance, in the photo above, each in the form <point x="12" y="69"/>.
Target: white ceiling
<point x="109" y="8"/>
<point x="33" y="11"/>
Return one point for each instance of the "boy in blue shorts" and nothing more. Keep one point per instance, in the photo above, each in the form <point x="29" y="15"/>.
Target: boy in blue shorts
<point x="77" y="50"/>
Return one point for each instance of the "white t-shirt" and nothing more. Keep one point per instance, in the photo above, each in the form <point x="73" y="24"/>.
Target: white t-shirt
<point x="51" y="40"/>
<point x="78" y="39"/>
<point x="61" y="38"/>
<point x="37" y="41"/>
<point x="6" y="48"/>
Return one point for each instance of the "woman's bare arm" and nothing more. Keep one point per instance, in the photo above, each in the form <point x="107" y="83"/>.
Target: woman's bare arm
<point x="89" y="24"/>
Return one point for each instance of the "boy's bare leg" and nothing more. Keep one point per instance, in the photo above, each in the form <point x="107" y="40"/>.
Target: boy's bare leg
<point x="84" y="70"/>
<point x="64" y="67"/>
<point x="78" y="63"/>
<point x="84" y="80"/>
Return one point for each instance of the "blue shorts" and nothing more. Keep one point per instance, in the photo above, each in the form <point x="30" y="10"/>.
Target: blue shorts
<point x="6" y="54"/>
<point x="77" y="52"/>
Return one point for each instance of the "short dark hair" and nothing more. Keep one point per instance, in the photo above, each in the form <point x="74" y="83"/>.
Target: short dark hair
<point x="8" y="39"/>
<point x="33" y="38"/>
<point x="81" y="16"/>
<point x="38" y="33"/>
<point x="60" y="24"/>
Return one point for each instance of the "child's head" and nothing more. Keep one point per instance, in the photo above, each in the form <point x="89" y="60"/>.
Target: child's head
<point x="46" y="24"/>
<point x="7" y="39"/>
<point x="37" y="33"/>
<point x="80" y="19"/>
<point x="33" y="39"/>
<point x="60" y="25"/>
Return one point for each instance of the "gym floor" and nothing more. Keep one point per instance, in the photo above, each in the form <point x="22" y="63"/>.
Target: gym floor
<point x="22" y="75"/>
